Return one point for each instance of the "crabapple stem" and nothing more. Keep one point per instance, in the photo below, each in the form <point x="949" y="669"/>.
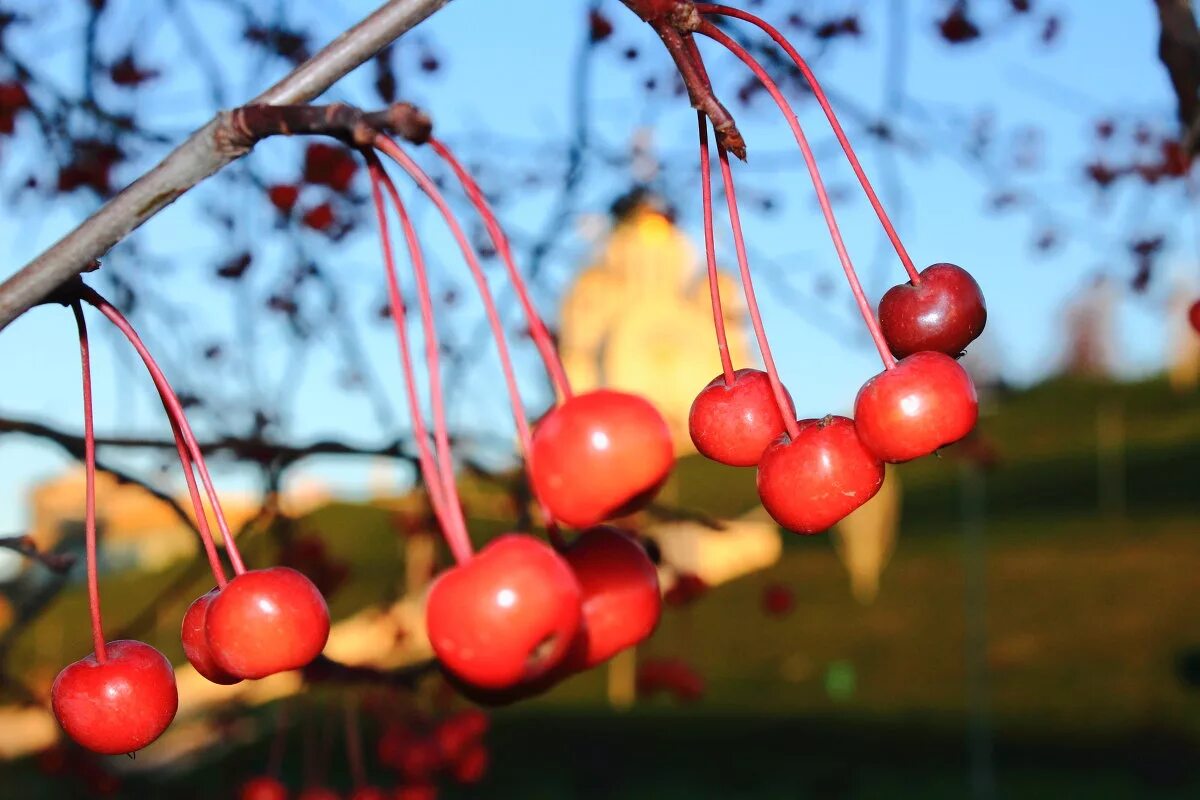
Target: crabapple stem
<point x="437" y="470"/>
<point x="354" y="750"/>
<point x="537" y="327"/>
<point x="714" y="286"/>
<point x="279" y="741"/>
<point x="711" y="31"/>
<point x="760" y="332"/>
<point x="89" y="496"/>
<point x="838" y="131"/>
<point x="175" y="413"/>
<point x="425" y="458"/>
<point x="210" y="547"/>
<point x="426" y="184"/>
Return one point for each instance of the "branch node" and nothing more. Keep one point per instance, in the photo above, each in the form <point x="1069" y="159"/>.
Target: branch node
<point x="242" y="128"/>
<point x="685" y="17"/>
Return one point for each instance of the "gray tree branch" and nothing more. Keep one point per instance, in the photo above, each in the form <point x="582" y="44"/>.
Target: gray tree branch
<point x="200" y="156"/>
<point x="1179" y="51"/>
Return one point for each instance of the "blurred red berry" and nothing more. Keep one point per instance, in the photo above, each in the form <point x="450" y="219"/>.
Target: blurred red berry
<point x="687" y="588"/>
<point x="284" y="196"/>
<point x="319" y="218"/>
<point x="472" y="766"/>
<point x="778" y="600"/>
<point x="328" y="165"/>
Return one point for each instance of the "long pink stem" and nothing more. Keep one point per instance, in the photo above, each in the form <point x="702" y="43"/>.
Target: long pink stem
<point x="89" y="492"/>
<point x="177" y="415"/>
<point x="760" y="332"/>
<point x="710" y="30"/>
<point x="206" y="539"/>
<point x="436" y="470"/>
<point x="537" y="327"/>
<point x="838" y="131"/>
<point x="354" y="748"/>
<point x="426" y="184"/>
<point x="714" y="284"/>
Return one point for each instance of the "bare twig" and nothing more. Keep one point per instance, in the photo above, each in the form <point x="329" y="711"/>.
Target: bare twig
<point x="55" y="562"/>
<point x="257" y="450"/>
<point x="199" y="157"/>
<point x="674" y="21"/>
<point x="73" y="446"/>
<point x="246" y="126"/>
<point x="1179" y="51"/>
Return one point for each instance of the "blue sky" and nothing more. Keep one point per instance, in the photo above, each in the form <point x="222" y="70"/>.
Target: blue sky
<point x="506" y="70"/>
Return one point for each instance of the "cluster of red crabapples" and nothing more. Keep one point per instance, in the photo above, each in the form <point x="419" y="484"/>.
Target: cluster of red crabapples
<point x="415" y="749"/>
<point x="813" y="472"/>
<point x="123" y="696"/>
<point x="521" y="614"/>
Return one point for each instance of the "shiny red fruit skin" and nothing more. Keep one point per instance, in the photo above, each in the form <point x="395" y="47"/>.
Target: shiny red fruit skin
<point x="945" y="312"/>
<point x="600" y="455"/>
<point x="808" y="483"/>
<point x="119" y="706"/>
<point x="621" y="600"/>
<point x="263" y="787"/>
<point x="267" y="621"/>
<point x="194" y="636"/>
<point x="927" y="401"/>
<point x="505" y="617"/>
<point x="733" y="424"/>
<point x="1194" y="316"/>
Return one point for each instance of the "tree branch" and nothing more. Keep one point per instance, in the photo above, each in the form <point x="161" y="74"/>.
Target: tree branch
<point x="199" y="157"/>
<point x="250" y="449"/>
<point x="1179" y="51"/>
<point x="674" y="21"/>
<point x="73" y="446"/>
<point x="55" y="562"/>
<point x="246" y="126"/>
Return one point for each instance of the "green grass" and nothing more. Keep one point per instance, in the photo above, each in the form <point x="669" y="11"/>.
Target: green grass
<point x="1087" y="612"/>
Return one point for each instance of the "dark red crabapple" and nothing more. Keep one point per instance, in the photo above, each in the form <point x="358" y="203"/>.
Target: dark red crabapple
<point x="1194" y="316"/>
<point x="472" y="766"/>
<point x="672" y="676"/>
<point x="600" y="455"/>
<point x="927" y="401"/>
<point x="507" y="616"/>
<point x="621" y="600"/>
<point x="944" y="312"/>
<point x="414" y="756"/>
<point x="264" y="787"/>
<point x="194" y="636"/>
<point x="119" y="706"/>
<point x="267" y="621"/>
<point x="778" y="600"/>
<point x="458" y="732"/>
<point x="810" y="482"/>
<point x="733" y="424"/>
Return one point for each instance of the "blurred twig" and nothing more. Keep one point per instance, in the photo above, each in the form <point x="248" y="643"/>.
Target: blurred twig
<point x="55" y="562"/>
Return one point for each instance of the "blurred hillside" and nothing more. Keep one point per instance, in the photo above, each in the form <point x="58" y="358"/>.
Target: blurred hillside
<point x="1058" y="633"/>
